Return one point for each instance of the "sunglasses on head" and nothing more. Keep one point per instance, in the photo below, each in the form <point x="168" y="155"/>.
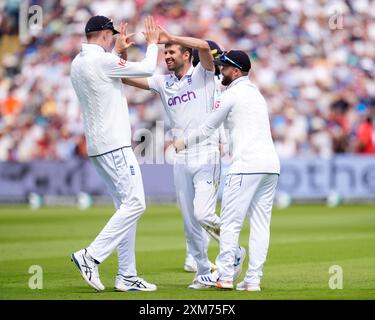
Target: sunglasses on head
<point x="225" y="59"/>
<point x="108" y="25"/>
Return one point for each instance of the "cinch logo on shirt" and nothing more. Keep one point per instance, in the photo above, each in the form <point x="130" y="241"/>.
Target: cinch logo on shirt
<point x="184" y="98"/>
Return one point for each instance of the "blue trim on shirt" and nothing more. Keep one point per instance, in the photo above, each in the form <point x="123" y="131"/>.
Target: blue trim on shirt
<point x="102" y="154"/>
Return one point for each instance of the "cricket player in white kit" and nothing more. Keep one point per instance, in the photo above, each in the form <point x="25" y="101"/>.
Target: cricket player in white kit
<point x="252" y="178"/>
<point x="97" y="80"/>
<point x="188" y="97"/>
<point x="190" y="263"/>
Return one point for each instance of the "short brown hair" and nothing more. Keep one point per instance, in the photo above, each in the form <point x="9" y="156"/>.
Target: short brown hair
<point x="182" y="49"/>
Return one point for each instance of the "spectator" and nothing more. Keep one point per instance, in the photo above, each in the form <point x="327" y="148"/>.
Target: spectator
<point x="366" y="137"/>
<point x="318" y="81"/>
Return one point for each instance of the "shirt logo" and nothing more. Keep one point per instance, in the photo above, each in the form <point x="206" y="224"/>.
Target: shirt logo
<point x="217" y="104"/>
<point x="122" y="62"/>
<point x="189" y="95"/>
<point x="169" y="84"/>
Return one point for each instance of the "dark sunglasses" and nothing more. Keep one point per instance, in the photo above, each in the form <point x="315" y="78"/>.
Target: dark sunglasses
<point x="224" y="58"/>
<point x="108" y="25"/>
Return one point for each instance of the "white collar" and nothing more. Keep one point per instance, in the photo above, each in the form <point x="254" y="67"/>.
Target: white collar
<point x="188" y="73"/>
<point x="240" y="79"/>
<point x="92" y="47"/>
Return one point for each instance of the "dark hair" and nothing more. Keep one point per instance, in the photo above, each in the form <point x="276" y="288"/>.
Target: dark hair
<point x="182" y="49"/>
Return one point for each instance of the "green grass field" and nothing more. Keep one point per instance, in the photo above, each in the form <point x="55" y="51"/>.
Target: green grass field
<point x="305" y="242"/>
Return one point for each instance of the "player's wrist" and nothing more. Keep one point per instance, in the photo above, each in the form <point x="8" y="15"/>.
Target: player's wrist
<point x="115" y="52"/>
<point x="119" y="52"/>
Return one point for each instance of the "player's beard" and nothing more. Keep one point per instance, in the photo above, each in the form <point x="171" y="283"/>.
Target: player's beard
<point x="226" y="81"/>
<point x="174" y="66"/>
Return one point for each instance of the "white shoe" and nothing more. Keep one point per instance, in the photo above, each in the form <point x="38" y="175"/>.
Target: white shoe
<point x="209" y="279"/>
<point x="238" y="263"/>
<point x="225" y="284"/>
<point x="244" y="286"/>
<point x="88" y="268"/>
<point x="197" y="285"/>
<point x="192" y="266"/>
<point x="124" y="283"/>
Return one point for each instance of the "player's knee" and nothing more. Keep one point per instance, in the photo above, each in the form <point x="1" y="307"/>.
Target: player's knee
<point x="140" y="205"/>
<point x="136" y="206"/>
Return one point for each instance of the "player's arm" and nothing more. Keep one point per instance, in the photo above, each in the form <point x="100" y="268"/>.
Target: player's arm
<point x="204" y="50"/>
<point x="151" y="83"/>
<point x="213" y="122"/>
<point x="116" y="67"/>
<point x="140" y="83"/>
<point x="222" y="140"/>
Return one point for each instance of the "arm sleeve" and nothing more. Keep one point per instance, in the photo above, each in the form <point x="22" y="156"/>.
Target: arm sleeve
<point x="222" y="136"/>
<point x="115" y="67"/>
<point x="213" y="122"/>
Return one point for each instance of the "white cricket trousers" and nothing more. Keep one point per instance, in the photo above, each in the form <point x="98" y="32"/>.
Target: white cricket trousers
<point x="121" y="173"/>
<point x="196" y="190"/>
<point x="251" y="195"/>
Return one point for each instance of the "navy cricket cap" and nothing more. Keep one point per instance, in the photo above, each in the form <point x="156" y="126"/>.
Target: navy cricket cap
<point x="215" y="50"/>
<point x="235" y="58"/>
<point x="99" y="23"/>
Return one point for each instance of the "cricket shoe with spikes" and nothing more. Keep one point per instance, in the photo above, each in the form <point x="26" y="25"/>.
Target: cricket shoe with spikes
<point x="88" y="268"/>
<point x="197" y="285"/>
<point x="209" y="279"/>
<point x="244" y="286"/>
<point x="133" y="283"/>
<point x="225" y="284"/>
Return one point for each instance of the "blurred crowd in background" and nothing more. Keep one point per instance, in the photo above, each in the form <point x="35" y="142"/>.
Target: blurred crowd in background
<point x="313" y="60"/>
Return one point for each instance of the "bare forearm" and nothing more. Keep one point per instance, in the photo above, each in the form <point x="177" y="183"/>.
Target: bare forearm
<point x="140" y="83"/>
<point x="202" y="46"/>
<point x="190" y="42"/>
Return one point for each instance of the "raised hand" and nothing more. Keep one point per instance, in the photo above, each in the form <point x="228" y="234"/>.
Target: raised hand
<point x="123" y="41"/>
<point x="164" y="36"/>
<point x="151" y="32"/>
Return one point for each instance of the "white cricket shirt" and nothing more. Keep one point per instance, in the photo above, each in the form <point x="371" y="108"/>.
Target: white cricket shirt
<point x="187" y="103"/>
<point x="244" y="112"/>
<point x="96" y="78"/>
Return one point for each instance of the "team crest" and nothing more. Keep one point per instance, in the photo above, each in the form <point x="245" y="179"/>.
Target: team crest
<point x="169" y="84"/>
